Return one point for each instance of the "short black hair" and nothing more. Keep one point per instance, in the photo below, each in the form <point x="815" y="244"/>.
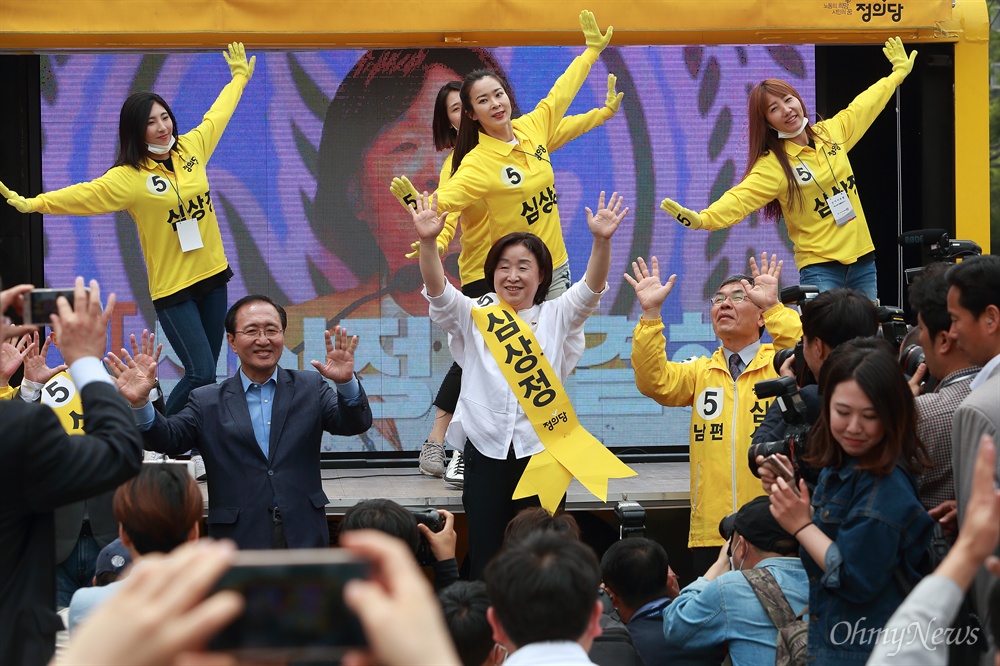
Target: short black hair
<point x="978" y="282"/>
<point x="252" y="298"/>
<point x="636" y="571"/>
<point x="464" y="605"/>
<point x="544" y="588"/>
<point x="536" y="519"/>
<point x="535" y="246"/>
<point x="928" y="296"/>
<point x="838" y="315"/>
<point x="385" y="516"/>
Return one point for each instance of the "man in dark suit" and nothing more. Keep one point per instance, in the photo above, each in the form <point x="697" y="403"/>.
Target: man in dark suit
<point x="42" y="467"/>
<point x="260" y="430"/>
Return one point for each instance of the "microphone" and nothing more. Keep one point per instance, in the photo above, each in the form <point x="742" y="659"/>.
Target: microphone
<point x="928" y="237"/>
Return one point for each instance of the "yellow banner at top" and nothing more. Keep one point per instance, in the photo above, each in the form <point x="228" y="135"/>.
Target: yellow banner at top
<point x="154" y="24"/>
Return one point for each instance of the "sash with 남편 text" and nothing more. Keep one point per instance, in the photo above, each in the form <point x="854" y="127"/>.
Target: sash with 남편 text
<point x="570" y="451"/>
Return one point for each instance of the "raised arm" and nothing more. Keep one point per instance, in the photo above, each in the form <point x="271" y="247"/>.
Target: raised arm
<point x="429" y="224"/>
<point x="571" y="127"/>
<point x="603" y="226"/>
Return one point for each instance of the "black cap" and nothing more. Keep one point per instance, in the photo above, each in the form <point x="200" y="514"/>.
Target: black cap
<point x="755" y="523"/>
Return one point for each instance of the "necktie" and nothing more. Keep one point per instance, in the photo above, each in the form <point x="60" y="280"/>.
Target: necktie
<point x="735" y="365"/>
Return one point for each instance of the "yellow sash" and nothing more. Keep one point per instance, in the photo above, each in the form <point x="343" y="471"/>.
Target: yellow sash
<point x="61" y="395"/>
<point x="569" y="449"/>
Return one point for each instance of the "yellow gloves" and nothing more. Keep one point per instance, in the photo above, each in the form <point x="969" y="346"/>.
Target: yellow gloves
<point x="16" y="200"/>
<point x="896" y="54"/>
<point x="687" y="217"/>
<point x="614" y="98"/>
<point x="406" y="194"/>
<point x="236" y="58"/>
<point x="592" y="34"/>
<point x="416" y="249"/>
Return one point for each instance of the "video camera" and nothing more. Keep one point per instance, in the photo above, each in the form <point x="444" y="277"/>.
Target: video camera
<point x="799" y="295"/>
<point x="435" y="521"/>
<point x="795" y="414"/>
<point x="939" y="247"/>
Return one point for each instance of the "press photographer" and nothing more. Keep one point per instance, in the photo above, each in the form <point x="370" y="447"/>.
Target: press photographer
<point x="829" y="319"/>
<point x="792" y="446"/>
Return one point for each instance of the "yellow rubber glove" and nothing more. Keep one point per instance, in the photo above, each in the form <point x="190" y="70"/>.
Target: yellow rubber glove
<point x="685" y="216"/>
<point x="236" y="58"/>
<point x="16" y="200"/>
<point x="416" y="250"/>
<point x="896" y="54"/>
<point x="404" y="191"/>
<point x="592" y="34"/>
<point x="614" y="99"/>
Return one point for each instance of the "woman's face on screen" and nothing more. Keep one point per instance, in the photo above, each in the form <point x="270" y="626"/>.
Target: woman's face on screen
<point x="404" y="147"/>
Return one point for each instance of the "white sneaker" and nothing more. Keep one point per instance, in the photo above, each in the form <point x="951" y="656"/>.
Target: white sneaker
<point x="455" y="474"/>
<point x="199" y="468"/>
<point x="431" y="460"/>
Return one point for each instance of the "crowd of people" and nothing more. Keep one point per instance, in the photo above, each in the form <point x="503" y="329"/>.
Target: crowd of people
<point x="875" y="538"/>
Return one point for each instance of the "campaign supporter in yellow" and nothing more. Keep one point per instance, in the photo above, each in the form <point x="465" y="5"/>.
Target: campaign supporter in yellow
<point x="504" y="163"/>
<point x="475" y="218"/>
<point x="160" y="178"/>
<point x="802" y="172"/>
<point x="719" y="388"/>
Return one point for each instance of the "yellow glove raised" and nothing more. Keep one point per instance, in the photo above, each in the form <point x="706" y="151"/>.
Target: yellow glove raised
<point x="416" y="250"/>
<point x="685" y="216"/>
<point x="896" y="54"/>
<point x="614" y="98"/>
<point x="592" y="34"/>
<point x="236" y="58"/>
<point x="16" y="200"/>
<point x="404" y="191"/>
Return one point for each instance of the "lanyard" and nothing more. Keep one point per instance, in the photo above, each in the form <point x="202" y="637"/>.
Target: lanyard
<point x="815" y="179"/>
<point x="175" y="188"/>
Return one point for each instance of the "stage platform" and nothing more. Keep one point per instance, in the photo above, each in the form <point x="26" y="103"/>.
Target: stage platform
<point x="657" y="486"/>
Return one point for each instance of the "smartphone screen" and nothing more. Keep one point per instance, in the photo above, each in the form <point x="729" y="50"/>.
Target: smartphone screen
<point x="40" y="305"/>
<point x="294" y="605"/>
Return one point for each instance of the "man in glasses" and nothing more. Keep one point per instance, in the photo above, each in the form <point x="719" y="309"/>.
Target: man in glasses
<point x="719" y="388"/>
<point x="260" y="430"/>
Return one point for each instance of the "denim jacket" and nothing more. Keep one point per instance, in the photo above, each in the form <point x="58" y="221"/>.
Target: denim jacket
<point x="877" y="524"/>
<point x="726" y="611"/>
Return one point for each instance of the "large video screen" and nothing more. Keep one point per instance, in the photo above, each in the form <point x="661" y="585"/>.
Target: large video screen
<point x="329" y="244"/>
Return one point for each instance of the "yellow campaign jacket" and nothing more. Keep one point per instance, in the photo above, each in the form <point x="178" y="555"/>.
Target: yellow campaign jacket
<point x="157" y="199"/>
<point x="516" y="186"/>
<point x="724" y="415"/>
<point x="476" y="239"/>
<point x="8" y="392"/>
<point x="821" y="171"/>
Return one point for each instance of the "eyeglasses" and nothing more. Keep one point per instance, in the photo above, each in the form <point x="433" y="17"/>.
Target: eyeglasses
<point x="735" y="297"/>
<point x="269" y="333"/>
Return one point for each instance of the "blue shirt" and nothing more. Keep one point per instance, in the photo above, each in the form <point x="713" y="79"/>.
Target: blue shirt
<point x="260" y="401"/>
<point x="726" y="611"/>
<point x="877" y="524"/>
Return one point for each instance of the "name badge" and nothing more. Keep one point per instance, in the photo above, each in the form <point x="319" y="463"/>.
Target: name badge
<point x="840" y="206"/>
<point x="189" y="235"/>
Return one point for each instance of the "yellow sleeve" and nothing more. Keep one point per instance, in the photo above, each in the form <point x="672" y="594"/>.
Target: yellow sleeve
<point x="7" y="392"/>
<point x="784" y="325"/>
<point x="761" y="186"/>
<point x="545" y="117"/>
<point x="206" y="135"/>
<point x="468" y="184"/>
<point x="451" y="222"/>
<point x="111" y="192"/>
<point x="850" y="125"/>
<point x="570" y="127"/>
<point x="670" y="384"/>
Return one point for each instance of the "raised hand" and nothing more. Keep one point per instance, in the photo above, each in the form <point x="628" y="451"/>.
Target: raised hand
<point x="614" y="98"/>
<point x="16" y="200"/>
<point x="896" y="55"/>
<point x="592" y="33"/>
<point x="648" y="289"/>
<point x="236" y="58"/>
<point x="404" y="191"/>
<point x="339" y="363"/>
<point x="12" y="355"/>
<point x="764" y="292"/>
<point x="426" y="220"/>
<point x="135" y="373"/>
<point x="36" y="368"/>
<point x="606" y="221"/>
<point x="82" y="328"/>
<point x="685" y="216"/>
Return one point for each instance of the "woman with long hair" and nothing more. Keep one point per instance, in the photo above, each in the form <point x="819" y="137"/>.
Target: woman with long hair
<point x="864" y="530"/>
<point x="801" y="172"/>
<point x="160" y="178"/>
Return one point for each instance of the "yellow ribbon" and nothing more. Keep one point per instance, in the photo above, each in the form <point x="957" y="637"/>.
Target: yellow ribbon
<point x="569" y="449"/>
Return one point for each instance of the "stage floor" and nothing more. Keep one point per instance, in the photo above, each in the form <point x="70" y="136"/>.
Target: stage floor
<point x="658" y="485"/>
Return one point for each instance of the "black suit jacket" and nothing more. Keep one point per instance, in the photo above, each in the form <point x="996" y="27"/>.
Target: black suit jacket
<point x="41" y="468"/>
<point x="242" y="483"/>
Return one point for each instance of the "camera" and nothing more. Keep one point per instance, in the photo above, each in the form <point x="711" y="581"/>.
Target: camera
<point x="910" y="359"/>
<point x="892" y="325"/>
<point x="939" y="247"/>
<point x="432" y="519"/>
<point x="632" y="519"/>
<point x="803" y="375"/>
<point x="795" y="414"/>
<point x="798" y="294"/>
